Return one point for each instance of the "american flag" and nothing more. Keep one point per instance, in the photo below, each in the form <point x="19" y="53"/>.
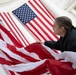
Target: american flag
<point x="37" y="19"/>
<point x="34" y="59"/>
<point x="11" y="25"/>
<point x="19" y="60"/>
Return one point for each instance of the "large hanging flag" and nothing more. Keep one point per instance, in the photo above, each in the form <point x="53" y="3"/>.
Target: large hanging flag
<point x="11" y="25"/>
<point x="37" y="19"/>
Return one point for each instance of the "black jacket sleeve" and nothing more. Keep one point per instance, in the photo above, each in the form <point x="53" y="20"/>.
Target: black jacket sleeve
<point x="71" y="45"/>
<point x="52" y="44"/>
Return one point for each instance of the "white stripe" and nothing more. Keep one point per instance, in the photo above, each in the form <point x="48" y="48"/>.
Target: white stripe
<point x="31" y="28"/>
<point x="14" y="31"/>
<point x="4" y="48"/>
<point x="4" y="56"/>
<point x="40" y="16"/>
<point x="39" y="29"/>
<point x="17" y="31"/>
<point x="32" y="54"/>
<point x="47" y="31"/>
<point x="4" y="24"/>
<point x="6" y="38"/>
<point x="32" y="1"/>
<point x="45" y="10"/>
<point x="7" y="22"/>
<point x="25" y="67"/>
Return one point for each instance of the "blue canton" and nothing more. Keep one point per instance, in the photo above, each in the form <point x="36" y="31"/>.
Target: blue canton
<point x="24" y="13"/>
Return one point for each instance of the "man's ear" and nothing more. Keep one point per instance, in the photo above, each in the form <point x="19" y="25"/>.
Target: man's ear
<point x="62" y="28"/>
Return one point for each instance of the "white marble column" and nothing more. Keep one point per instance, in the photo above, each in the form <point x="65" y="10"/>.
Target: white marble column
<point x="53" y="8"/>
<point x="57" y="11"/>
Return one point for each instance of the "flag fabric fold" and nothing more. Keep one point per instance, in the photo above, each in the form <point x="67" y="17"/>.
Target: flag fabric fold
<point x="35" y="59"/>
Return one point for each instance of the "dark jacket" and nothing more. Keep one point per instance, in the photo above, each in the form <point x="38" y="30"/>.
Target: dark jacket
<point x="67" y="43"/>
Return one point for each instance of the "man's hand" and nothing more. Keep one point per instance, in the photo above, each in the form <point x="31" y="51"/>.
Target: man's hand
<point x="40" y="42"/>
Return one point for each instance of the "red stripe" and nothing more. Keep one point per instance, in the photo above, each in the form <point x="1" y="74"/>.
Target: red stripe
<point x="1" y="37"/>
<point x="45" y="19"/>
<point x="14" y="50"/>
<point x="37" y="30"/>
<point x="19" y="30"/>
<point x="10" y="22"/>
<point x="40" y="13"/>
<point x="43" y="30"/>
<point x="3" y="61"/>
<point x="9" y="26"/>
<point x="13" y="60"/>
<point x="48" y="29"/>
<point x="44" y="10"/>
<point x="35" y="35"/>
<point x="47" y="11"/>
<point x="15" y="42"/>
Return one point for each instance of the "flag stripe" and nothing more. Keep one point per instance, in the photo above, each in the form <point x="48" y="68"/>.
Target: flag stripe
<point x="2" y="55"/>
<point x="6" y="17"/>
<point x="40" y="5"/>
<point x="48" y="13"/>
<point x="5" y="20"/>
<point x="34" y="32"/>
<point x="12" y="50"/>
<point x="47" y="31"/>
<point x="11" y="24"/>
<point x="38" y="10"/>
<point x="40" y="29"/>
<point x="45" y="22"/>
<point x="19" y="30"/>
<point x="9" y="36"/>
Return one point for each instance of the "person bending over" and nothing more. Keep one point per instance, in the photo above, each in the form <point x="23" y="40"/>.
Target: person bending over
<point x="67" y="32"/>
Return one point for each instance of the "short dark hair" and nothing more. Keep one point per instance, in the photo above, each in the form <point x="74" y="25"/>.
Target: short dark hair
<point x="64" y="21"/>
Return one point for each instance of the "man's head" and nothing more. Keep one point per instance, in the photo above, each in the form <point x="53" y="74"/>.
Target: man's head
<point x="61" y="25"/>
